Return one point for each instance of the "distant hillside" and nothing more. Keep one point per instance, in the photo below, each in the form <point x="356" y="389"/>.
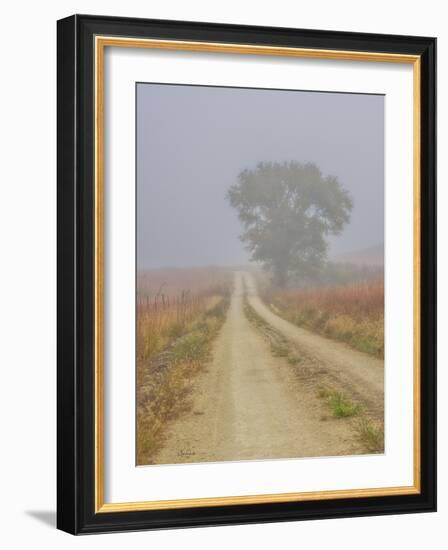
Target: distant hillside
<point x="373" y="256"/>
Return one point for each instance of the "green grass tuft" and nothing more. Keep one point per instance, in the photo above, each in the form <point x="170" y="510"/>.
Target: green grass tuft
<point x="340" y="405"/>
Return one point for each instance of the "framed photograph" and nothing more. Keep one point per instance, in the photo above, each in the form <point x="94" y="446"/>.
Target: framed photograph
<point x="246" y="274"/>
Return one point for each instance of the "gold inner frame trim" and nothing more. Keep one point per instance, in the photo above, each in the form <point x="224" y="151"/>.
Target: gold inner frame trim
<point x="101" y="42"/>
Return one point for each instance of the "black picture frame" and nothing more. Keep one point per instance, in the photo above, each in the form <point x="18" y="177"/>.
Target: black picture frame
<point x="76" y="271"/>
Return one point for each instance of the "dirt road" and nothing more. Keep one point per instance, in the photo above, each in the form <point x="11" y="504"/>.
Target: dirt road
<point x="248" y="404"/>
<point x="358" y="374"/>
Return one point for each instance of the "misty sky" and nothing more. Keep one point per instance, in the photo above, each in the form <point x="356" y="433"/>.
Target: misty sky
<point x="193" y="141"/>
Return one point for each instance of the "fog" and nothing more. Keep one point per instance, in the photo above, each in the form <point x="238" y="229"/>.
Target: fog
<point x="193" y="141"/>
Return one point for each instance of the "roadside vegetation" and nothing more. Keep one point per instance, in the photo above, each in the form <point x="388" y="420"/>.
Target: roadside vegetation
<point x="175" y="332"/>
<point x="341" y="406"/>
<point x="353" y="313"/>
<point x="369" y="431"/>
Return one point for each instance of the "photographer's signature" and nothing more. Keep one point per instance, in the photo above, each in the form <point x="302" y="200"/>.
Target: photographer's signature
<point x="186" y="453"/>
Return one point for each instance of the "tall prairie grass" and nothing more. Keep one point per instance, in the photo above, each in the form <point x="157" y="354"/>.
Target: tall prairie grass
<point x="160" y="320"/>
<point x="170" y="300"/>
<point x="172" y="282"/>
<point x="179" y="313"/>
<point x="353" y="313"/>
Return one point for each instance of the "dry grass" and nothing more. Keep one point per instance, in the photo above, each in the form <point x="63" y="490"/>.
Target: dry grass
<point x="170" y="300"/>
<point x="172" y="282"/>
<point x="353" y="314"/>
<point x="174" y="337"/>
<point x="371" y="434"/>
<point x="159" y="322"/>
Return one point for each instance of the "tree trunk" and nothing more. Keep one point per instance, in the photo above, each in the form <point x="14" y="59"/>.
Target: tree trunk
<point x="280" y="276"/>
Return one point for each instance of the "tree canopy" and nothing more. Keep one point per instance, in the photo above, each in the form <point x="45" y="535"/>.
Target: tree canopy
<point x="287" y="210"/>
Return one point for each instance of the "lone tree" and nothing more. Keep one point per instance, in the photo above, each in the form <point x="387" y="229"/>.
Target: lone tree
<point x="287" y="210"/>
